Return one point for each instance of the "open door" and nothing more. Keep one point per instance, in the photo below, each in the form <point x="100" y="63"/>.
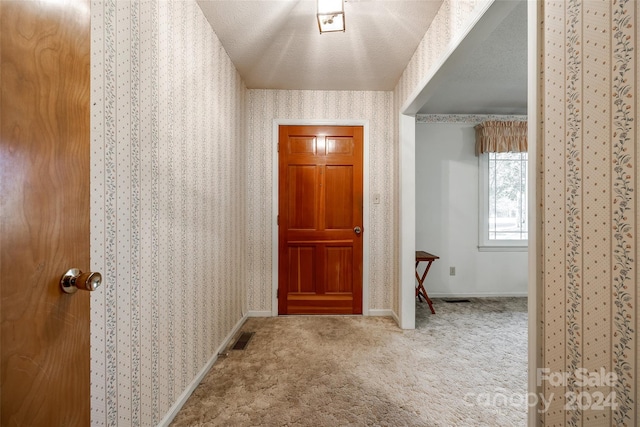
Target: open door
<point x="44" y="212"/>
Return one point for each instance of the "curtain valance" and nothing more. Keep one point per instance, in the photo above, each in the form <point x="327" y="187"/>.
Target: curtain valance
<point x="501" y="137"/>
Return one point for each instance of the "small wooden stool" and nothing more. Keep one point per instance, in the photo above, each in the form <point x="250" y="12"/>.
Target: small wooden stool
<point x="420" y="290"/>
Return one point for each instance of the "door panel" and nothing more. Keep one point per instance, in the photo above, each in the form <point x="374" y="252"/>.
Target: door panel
<point x="338" y="209"/>
<point x="44" y="212"/>
<point x="320" y="193"/>
<point x="339" y="269"/>
<point x="336" y="146"/>
<point x="303" y="181"/>
<point x="302" y="145"/>
<point x="302" y="269"/>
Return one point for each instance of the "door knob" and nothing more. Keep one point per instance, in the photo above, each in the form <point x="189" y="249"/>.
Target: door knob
<point x="75" y="279"/>
<point x="357" y="229"/>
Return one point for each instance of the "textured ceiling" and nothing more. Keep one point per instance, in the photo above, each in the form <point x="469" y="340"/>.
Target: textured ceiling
<point x="491" y="76"/>
<point x="275" y="44"/>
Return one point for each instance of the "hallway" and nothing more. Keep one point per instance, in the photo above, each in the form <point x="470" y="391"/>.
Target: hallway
<point x="465" y="365"/>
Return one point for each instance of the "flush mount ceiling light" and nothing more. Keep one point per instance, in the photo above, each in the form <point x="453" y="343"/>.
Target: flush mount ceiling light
<point x="330" y="15"/>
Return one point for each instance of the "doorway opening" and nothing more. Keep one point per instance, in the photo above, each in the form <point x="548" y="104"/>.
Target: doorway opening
<point x="495" y="14"/>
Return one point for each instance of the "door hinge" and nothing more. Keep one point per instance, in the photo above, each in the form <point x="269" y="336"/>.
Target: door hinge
<point x="278" y="220"/>
<point x="278" y="147"/>
<point x="277" y="293"/>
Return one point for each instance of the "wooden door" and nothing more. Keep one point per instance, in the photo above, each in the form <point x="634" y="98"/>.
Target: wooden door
<point x="320" y="205"/>
<point x="44" y="211"/>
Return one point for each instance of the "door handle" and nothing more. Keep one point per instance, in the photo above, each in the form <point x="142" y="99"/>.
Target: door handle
<point x="75" y="279"/>
<point x="357" y="229"/>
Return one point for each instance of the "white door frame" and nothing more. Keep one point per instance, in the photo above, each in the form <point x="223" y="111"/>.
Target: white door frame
<point x="534" y="43"/>
<point x="407" y="220"/>
<point x="365" y="202"/>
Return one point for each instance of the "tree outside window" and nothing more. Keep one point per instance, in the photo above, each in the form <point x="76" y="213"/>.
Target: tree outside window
<point x="504" y="207"/>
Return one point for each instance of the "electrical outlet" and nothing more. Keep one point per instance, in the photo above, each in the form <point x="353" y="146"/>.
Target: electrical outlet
<point x="452" y="271"/>
<point x="376" y="198"/>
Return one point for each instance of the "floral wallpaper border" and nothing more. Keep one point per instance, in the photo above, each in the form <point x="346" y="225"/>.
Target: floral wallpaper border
<point x="468" y="118"/>
<point x="625" y="125"/>
<point x="573" y="209"/>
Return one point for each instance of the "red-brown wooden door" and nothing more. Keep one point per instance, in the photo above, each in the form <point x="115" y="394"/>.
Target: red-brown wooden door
<point x="320" y="219"/>
<point x="44" y="211"/>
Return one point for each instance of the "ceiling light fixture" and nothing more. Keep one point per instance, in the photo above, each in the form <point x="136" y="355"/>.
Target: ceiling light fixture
<point x="330" y="15"/>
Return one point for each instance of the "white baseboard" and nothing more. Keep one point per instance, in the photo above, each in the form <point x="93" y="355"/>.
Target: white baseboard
<point x="478" y="295"/>
<point x="255" y="313"/>
<point x="395" y="317"/>
<point x="386" y="313"/>
<point x="381" y="312"/>
<point x="196" y="381"/>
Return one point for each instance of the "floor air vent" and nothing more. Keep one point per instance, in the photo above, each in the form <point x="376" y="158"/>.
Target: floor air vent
<point x="243" y="340"/>
<point x="457" y="300"/>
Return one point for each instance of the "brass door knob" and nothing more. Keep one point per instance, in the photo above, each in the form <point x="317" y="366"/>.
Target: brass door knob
<point x="75" y="279"/>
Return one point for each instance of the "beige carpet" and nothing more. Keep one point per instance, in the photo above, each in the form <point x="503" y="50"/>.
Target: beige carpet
<point x="464" y="366"/>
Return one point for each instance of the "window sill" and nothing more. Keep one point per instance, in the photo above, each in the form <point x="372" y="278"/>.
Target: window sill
<point x="498" y="248"/>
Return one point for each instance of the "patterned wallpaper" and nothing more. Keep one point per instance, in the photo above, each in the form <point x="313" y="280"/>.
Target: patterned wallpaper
<point x="453" y="18"/>
<point x="589" y="210"/>
<point x="266" y="105"/>
<point x="168" y="204"/>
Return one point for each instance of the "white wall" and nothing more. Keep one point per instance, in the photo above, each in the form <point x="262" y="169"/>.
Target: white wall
<point x="447" y="217"/>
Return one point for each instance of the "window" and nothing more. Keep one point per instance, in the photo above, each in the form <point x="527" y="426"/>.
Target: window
<point x="503" y="201"/>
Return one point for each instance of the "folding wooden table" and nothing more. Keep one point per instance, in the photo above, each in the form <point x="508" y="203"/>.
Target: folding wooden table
<point x="420" y="290"/>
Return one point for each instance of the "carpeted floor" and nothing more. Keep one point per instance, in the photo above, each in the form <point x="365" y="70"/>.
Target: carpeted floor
<point x="464" y="366"/>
